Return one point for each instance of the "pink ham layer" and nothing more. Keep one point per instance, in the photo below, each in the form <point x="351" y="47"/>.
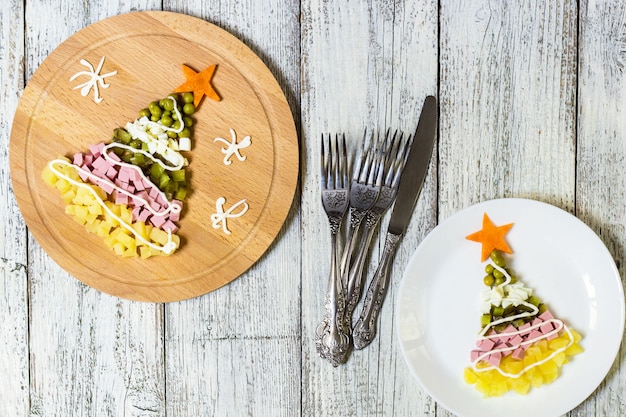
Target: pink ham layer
<point x="131" y="181"/>
<point x="513" y="344"/>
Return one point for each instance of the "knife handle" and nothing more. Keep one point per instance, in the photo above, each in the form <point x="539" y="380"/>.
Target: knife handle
<point x="364" y="330"/>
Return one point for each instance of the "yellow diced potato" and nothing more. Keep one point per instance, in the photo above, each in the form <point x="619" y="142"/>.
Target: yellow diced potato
<point x="93" y="226"/>
<point x="536" y="381"/>
<point x="159" y="236"/>
<point x="80" y="214"/>
<point x="470" y="376"/>
<point x="104" y="229"/>
<point x="575" y="349"/>
<point x="90" y="218"/>
<point x="521" y="386"/>
<point x="483" y="388"/>
<point x="548" y="368"/>
<point x="145" y="252"/>
<point x="558" y="343"/>
<point x="48" y="176"/>
<point x="560" y="359"/>
<point x="63" y="185"/>
<point x="116" y="209"/>
<point x="118" y="248"/>
<point x="125" y="240"/>
<point x="512" y="366"/>
<point x="68" y="196"/>
<point x="126" y="214"/>
<point x="533" y="352"/>
<point x="140" y="229"/>
<point x="109" y="241"/>
<point x="96" y="209"/>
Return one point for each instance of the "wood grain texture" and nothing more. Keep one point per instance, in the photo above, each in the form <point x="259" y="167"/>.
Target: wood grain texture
<point x="92" y="354"/>
<point x="531" y="105"/>
<point x="600" y="162"/>
<point x="365" y="64"/>
<point x="14" y="359"/>
<point x="236" y="351"/>
<point x="252" y="104"/>
<point x="508" y="94"/>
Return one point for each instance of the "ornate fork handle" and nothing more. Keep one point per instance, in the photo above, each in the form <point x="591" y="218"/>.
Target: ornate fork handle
<point x="355" y="277"/>
<point x="365" y="196"/>
<point x="365" y="329"/>
<point x="332" y="338"/>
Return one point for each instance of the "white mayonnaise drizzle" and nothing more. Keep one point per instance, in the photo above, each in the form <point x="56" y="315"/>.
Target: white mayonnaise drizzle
<point x="232" y="147"/>
<point x="560" y="325"/>
<point x="219" y="218"/>
<point x="168" y="248"/>
<point x="154" y="135"/>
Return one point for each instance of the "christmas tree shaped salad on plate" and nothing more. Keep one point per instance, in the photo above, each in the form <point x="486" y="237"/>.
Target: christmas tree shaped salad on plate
<point x="130" y="190"/>
<point x="521" y="344"/>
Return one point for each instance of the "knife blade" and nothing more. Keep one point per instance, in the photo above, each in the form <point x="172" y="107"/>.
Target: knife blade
<point x="411" y="182"/>
<point x="415" y="169"/>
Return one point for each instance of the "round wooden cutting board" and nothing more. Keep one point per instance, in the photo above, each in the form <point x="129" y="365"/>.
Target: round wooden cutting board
<point x="147" y="49"/>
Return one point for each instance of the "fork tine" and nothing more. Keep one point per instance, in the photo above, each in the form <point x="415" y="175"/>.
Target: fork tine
<point x="378" y="164"/>
<point x="332" y="156"/>
<point x="343" y="163"/>
<point x="393" y="156"/>
<point x="360" y="158"/>
<point x="323" y="176"/>
<point x="401" y="160"/>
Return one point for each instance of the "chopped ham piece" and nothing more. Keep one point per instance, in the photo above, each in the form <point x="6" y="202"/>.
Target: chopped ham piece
<point x="485" y="344"/>
<point x="519" y="353"/>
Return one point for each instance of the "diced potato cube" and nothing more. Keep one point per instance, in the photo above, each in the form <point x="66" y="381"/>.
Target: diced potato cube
<point x="548" y="368"/>
<point x="159" y="236"/>
<point x="80" y="214"/>
<point x="140" y="229"/>
<point x="103" y="230"/>
<point x="96" y="209"/>
<point x="575" y="349"/>
<point x="68" y="196"/>
<point x="48" y="176"/>
<point x="145" y="252"/>
<point x="521" y="386"/>
<point x="62" y="185"/>
<point x="469" y="375"/>
<point x="118" y="248"/>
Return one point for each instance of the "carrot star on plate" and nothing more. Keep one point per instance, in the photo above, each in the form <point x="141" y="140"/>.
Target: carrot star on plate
<point x="491" y="237"/>
<point x="198" y="83"/>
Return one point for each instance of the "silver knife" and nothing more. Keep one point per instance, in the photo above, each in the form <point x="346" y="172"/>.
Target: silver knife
<point x="409" y="189"/>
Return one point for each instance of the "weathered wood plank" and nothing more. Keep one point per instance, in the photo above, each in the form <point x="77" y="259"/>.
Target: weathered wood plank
<point x="600" y="188"/>
<point x="91" y="353"/>
<point x="365" y="64"/>
<point x="508" y="93"/>
<point x="13" y="249"/>
<point x="236" y="351"/>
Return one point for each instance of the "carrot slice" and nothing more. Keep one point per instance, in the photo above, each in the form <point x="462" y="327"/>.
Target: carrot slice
<point x="491" y="237"/>
<point x="198" y="83"/>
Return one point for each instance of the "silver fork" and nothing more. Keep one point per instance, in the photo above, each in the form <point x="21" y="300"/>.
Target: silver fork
<point x="367" y="179"/>
<point x="332" y="337"/>
<point x="395" y="158"/>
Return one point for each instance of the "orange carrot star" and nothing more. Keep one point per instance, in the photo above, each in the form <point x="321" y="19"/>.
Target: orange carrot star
<point x="491" y="237"/>
<point x="198" y="83"/>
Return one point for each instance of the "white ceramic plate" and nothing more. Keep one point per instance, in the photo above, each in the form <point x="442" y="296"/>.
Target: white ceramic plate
<point x="562" y="259"/>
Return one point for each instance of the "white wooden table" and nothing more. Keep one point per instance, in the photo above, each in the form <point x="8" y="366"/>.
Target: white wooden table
<point x="532" y="97"/>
